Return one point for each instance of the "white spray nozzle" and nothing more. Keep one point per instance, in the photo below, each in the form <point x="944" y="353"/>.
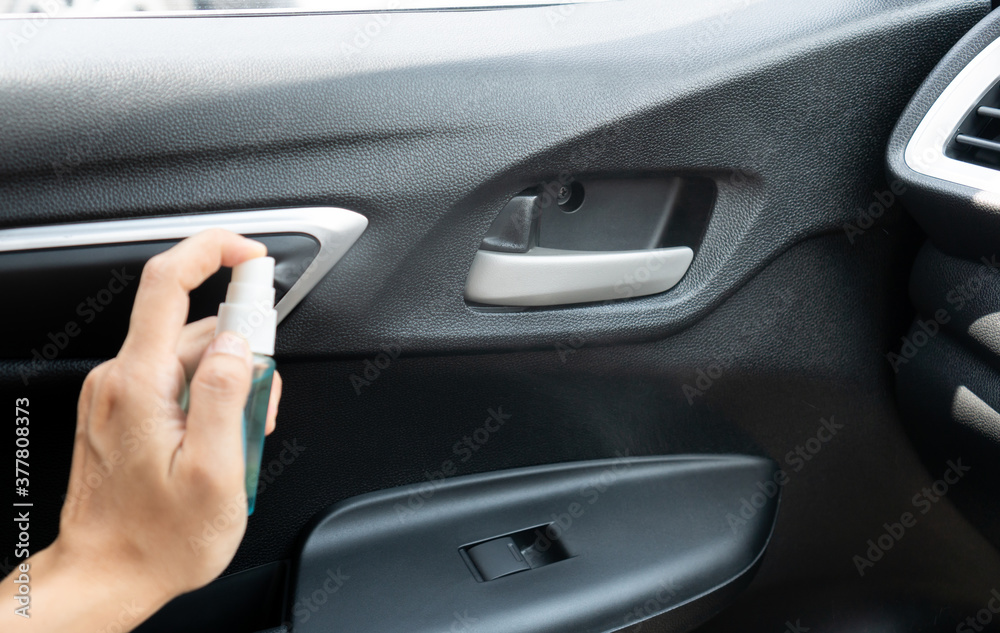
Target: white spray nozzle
<point x="249" y="307"/>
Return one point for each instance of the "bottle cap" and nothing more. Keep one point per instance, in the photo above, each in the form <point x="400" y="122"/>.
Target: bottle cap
<point x="249" y="307"/>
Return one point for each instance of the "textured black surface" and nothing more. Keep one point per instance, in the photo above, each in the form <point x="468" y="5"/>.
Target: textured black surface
<point x="961" y="296"/>
<point x="443" y="116"/>
<point x="949" y="373"/>
<point x="239" y="603"/>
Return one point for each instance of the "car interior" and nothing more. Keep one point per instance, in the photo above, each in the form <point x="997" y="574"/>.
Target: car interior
<point x="614" y="315"/>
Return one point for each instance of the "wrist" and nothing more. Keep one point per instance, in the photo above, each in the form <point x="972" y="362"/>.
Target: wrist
<point x="80" y="590"/>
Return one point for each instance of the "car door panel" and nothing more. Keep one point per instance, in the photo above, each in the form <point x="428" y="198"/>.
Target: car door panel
<point x="775" y="115"/>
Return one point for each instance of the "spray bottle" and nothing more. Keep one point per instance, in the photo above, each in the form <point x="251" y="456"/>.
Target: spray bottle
<point x="249" y="312"/>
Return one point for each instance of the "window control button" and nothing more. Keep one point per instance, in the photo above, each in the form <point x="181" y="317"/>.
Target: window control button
<point x="496" y="558"/>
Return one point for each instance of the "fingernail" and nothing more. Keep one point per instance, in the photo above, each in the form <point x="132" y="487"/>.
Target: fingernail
<point x="232" y="344"/>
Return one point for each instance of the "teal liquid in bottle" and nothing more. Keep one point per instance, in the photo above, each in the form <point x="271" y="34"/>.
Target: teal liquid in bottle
<point x="254" y="423"/>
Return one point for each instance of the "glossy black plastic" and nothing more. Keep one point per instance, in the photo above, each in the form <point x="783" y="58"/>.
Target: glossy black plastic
<point x="643" y="536"/>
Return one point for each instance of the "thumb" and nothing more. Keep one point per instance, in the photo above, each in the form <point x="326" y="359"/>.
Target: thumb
<point x="218" y="395"/>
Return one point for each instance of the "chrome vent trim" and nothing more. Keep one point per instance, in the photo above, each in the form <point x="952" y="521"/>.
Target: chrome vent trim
<point x="931" y="148"/>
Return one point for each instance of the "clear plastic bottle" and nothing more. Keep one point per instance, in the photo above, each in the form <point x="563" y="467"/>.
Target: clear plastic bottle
<point x="254" y="421"/>
<point x="249" y="312"/>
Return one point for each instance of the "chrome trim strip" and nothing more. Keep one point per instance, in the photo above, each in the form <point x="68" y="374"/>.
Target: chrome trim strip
<point x="93" y="10"/>
<point x="335" y="229"/>
<point x="925" y="152"/>
<point x="550" y="277"/>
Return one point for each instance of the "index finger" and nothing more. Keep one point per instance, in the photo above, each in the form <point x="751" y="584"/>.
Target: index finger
<point x="161" y="303"/>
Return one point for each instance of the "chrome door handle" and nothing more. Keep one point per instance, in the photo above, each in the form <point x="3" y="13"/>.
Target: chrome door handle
<point x="548" y="277"/>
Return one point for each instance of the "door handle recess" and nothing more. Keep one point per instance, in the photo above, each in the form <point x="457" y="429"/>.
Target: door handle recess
<point x="548" y="277"/>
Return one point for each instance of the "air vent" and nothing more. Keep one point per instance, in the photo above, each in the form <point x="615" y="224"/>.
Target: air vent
<point x="978" y="137"/>
<point x="958" y="140"/>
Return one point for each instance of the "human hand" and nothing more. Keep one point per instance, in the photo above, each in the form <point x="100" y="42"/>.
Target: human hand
<point x="146" y="478"/>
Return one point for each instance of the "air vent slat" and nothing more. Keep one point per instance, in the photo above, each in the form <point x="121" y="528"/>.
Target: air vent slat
<point x="993" y="113"/>
<point x="977" y="140"/>
<point x="982" y="143"/>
